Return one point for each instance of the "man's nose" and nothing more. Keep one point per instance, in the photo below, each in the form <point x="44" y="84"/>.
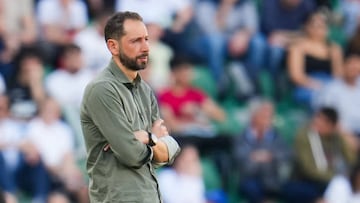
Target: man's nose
<point x="145" y="46"/>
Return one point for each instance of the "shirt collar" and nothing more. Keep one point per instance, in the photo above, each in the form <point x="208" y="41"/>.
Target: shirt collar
<point x="120" y="75"/>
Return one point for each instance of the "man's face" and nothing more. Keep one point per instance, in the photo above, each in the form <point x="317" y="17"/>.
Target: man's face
<point x="183" y="75"/>
<point x="134" y="46"/>
<point x="323" y="125"/>
<point x="352" y="68"/>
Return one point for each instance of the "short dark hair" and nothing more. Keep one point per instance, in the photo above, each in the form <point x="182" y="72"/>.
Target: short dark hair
<point x="350" y="54"/>
<point x="178" y="61"/>
<point x="70" y="48"/>
<point x="114" y="28"/>
<point x="330" y="114"/>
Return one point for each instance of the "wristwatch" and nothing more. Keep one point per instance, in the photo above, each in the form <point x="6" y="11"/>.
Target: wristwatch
<point x="152" y="139"/>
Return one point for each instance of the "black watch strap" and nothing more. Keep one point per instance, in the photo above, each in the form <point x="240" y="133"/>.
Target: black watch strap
<point x="151" y="142"/>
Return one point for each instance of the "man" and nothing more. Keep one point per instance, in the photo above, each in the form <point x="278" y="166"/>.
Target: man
<point x="120" y="120"/>
<point x="344" y="94"/>
<point x="262" y="157"/>
<point x="321" y="152"/>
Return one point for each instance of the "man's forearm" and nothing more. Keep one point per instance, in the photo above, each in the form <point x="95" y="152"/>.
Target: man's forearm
<point x="161" y="153"/>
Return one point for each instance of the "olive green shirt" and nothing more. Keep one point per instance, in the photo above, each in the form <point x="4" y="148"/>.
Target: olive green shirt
<point x="113" y="109"/>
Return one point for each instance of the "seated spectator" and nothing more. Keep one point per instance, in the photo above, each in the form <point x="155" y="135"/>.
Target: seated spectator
<point x="313" y="60"/>
<point x="321" y="153"/>
<point x="59" y="21"/>
<point x="25" y="87"/>
<point x="350" y="11"/>
<point x="187" y="110"/>
<point x="66" y="85"/>
<point x="52" y="141"/>
<point x="172" y="16"/>
<point x="96" y="54"/>
<point x="6" y="194"/>
<point x="281" y="22"/>
<point x="17" y="28"/>
<point x="262" y="157"/>
<point x="230" y="28"/>
<point x="21" y="170"/>
<point x="183" y="182"/>
<point x="6" y="128"/>
<point x="344" y="94"/>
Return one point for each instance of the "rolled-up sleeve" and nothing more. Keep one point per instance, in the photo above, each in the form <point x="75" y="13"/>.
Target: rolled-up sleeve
<point x="107" y="112"/>
<point x="173" y="150"/>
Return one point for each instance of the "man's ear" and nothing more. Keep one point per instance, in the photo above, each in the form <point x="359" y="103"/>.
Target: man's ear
<point x="113" y="46"/>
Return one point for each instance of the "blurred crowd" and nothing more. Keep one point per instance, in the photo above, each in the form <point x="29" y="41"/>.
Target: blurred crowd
<point x="209" y="63"/>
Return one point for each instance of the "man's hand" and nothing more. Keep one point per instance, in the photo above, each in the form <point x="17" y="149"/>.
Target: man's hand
<point x="261" y="156"/>
<point x="159" y="129"/>
<point x="142" y="136"/>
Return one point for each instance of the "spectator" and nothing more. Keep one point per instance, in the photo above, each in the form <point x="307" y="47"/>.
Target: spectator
<point x="172" y="15"/>
<point x="59" y="21"/>
<point x="25" y="87"/>
<point x="350" y="10"/>
<point x="262" y="157"/>
<point x="313" y="60"/>
<point x="52" y="140"/>
<point x="17" y="28"/>
<point x="281" y="23"/>
<point x="321" y="153"/>
<point x="66" y="85"/>
<point x="183" y="181"/>
<point x="7" y="147"/>
<point x="22" y="169"/>
<point x="96" y="54"/>
<point x="344" y="94"/>
<point x="230" y="28"/>
<point x="173" y="18"/>
<point x="187" y="110"/>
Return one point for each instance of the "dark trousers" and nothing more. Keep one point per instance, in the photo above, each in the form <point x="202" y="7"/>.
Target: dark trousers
<point x="30" y="178"/>
<point x="303" y="191"/>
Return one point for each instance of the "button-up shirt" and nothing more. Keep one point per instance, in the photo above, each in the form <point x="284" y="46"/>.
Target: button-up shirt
<point x="113" y="109"/>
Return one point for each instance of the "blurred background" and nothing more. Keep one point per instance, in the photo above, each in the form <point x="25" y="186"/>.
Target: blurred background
<point x="262" y="95"/>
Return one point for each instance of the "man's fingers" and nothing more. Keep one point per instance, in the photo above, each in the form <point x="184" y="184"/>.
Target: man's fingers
<point x="158" y="122"/>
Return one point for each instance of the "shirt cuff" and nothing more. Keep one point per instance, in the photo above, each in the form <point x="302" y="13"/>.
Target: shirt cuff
<point x="173" y="147"/>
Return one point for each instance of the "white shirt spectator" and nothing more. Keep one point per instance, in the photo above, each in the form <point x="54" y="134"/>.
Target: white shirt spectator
<point x="154" y="11"/>
<point x="96" y="55"/>
<point x="346" y="100"/>
<point x="52" y="12"/>
<point x="11" y="135"/>
<point x="180" y="188"/>
<point x="53" y="140"/>
<point x="67" y="88"/>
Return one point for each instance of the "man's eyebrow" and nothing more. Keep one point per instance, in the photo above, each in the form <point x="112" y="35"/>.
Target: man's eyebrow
<point x="137" y="38"/>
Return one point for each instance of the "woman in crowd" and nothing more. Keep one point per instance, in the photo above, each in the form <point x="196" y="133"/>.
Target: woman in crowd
<point x="313" y="60"/>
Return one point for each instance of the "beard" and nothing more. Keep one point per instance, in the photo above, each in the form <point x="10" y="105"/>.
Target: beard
<point x="131" y="63"/>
